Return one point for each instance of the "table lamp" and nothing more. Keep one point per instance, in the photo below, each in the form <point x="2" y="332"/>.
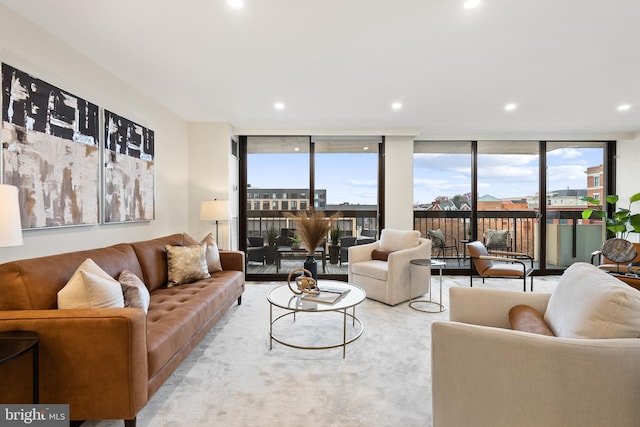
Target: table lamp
<point x="10" y="226"/>
<point x="215" y="211"/>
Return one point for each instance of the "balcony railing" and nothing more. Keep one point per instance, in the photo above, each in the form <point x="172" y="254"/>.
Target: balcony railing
<point x="569" y="238"/>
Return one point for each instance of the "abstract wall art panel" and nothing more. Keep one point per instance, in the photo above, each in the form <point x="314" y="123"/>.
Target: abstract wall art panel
<point x="50" y="151"/>
<point x="129" y="193"/>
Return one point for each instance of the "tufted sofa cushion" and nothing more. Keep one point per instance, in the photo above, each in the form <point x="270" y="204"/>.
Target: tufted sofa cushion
<point x="177" y="313"/>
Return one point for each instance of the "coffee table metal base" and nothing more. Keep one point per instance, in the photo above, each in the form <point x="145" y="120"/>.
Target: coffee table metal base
<point x="343" y="344"/>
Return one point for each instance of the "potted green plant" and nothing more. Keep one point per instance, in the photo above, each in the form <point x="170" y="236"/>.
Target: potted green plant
<point x="295" y="241"/>
<point x="623" y="221"/>
<point x="334" y="249"/>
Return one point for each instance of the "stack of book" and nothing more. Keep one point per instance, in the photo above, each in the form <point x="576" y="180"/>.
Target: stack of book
<point x="327" y="295"/>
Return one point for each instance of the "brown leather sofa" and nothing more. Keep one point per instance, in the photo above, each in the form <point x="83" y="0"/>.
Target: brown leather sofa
<point x="107" y="363"/>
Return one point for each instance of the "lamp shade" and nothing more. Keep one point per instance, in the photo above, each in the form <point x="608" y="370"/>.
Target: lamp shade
<point x="10" y="226"/>
<point x="214" y="210"/>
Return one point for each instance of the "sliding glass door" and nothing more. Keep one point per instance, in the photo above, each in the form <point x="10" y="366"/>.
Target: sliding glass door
<point x="508" y="194"/>
<point x="296" y="173"/>
<point x="574" y="170"/>
<point x="442" y="198"/>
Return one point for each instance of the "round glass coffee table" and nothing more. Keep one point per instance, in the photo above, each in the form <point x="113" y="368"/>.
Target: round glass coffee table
<point x="282" y="297"/>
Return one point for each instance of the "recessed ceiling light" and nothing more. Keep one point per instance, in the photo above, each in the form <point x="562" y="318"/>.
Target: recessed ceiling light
<point x="238" y="4"/>
<point x="365" y="148"/>
<point x="279" y="106"/>
<point x="624" y="107"/>
<point x="296" y="149"/>
<point x="471" y="4"/>
<point x="510" y="107"/>
<point x="396" y="105"/>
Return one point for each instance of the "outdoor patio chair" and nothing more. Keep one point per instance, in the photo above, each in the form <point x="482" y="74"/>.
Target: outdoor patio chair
<point x="255" y="249"/>
<point x="442" y="242"/>
<point x="497" y="240"/>
<point x="345" y="243"/>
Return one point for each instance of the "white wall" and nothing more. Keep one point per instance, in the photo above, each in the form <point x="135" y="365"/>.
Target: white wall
<point x="29" y="49"/>
<point x="213" y="173"/>
<point x="628" y="177"/>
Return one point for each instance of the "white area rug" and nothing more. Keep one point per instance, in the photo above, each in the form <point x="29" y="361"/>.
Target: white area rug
<point x="233" y="379"/>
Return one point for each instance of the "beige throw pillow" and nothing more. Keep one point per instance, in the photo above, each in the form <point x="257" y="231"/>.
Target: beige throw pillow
<point x="135" y="293"/>
<point x="213" y="254"/>
<point x="589" y="303"/>
<point x="186" y="264"/>
<point x="90" y="287"/>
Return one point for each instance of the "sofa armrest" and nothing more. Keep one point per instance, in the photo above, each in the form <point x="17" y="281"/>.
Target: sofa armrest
<point x="484" y="376"/>
<point x="93" y="359"/>
<point x="490" y="307"/>
<point x="232" y="260"/>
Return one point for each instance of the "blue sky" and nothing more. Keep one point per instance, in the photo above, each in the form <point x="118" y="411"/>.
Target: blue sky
<point x="353" y="177"/>
<point x="500" y="175"/>
<point x="346" y="177"/>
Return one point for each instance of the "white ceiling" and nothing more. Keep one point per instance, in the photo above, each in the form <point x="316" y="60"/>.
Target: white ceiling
<point x="341" y="63"/>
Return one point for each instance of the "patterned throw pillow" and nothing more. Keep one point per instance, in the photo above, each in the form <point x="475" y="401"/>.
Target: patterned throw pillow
<point x="497" y="238"/>
<point x="437" y="237"/>
<point x="136" y="294"/>
<point x="186" y="264"/>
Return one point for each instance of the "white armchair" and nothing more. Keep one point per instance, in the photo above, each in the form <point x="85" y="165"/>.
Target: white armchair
<point x="390" y="281"/>
<point x="485" y="374"/>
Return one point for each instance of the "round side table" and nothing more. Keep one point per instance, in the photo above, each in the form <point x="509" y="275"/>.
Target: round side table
<point x="413" y="303"/>
<point x="14" y="344"/>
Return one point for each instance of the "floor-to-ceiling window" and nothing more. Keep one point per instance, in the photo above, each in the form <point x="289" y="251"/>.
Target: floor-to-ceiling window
<point x="525" y="196"/>
<point x="290" y="174"/>
<point x="574" y="170"/>
<point x="442" y="197"/>
<point x="508" y="191"/>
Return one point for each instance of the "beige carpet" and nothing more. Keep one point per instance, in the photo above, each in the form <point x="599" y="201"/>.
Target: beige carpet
<point x="233" y="379"/>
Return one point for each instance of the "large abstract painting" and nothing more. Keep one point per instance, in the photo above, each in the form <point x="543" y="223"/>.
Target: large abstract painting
<point x="50" y="151"/>
<point x="129" y="191"/>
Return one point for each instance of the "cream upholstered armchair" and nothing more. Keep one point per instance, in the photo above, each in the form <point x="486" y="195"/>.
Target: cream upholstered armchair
<point x="382" y="268"/>
<point x="488" y="373"/>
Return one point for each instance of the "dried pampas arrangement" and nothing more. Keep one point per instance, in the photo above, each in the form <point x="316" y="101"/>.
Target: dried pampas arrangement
<point x="312" y="227"/>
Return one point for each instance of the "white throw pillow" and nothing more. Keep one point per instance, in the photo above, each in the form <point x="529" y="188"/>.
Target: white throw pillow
<point x="589" y="303"/>
<point x="395" y="240"/>
<point x="90" y="287"/>
<point x="135" y="293"/>
<point x="213" y="254"/>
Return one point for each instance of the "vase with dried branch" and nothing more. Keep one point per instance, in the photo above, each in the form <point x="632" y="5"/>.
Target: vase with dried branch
<point x="312" y="227"/>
